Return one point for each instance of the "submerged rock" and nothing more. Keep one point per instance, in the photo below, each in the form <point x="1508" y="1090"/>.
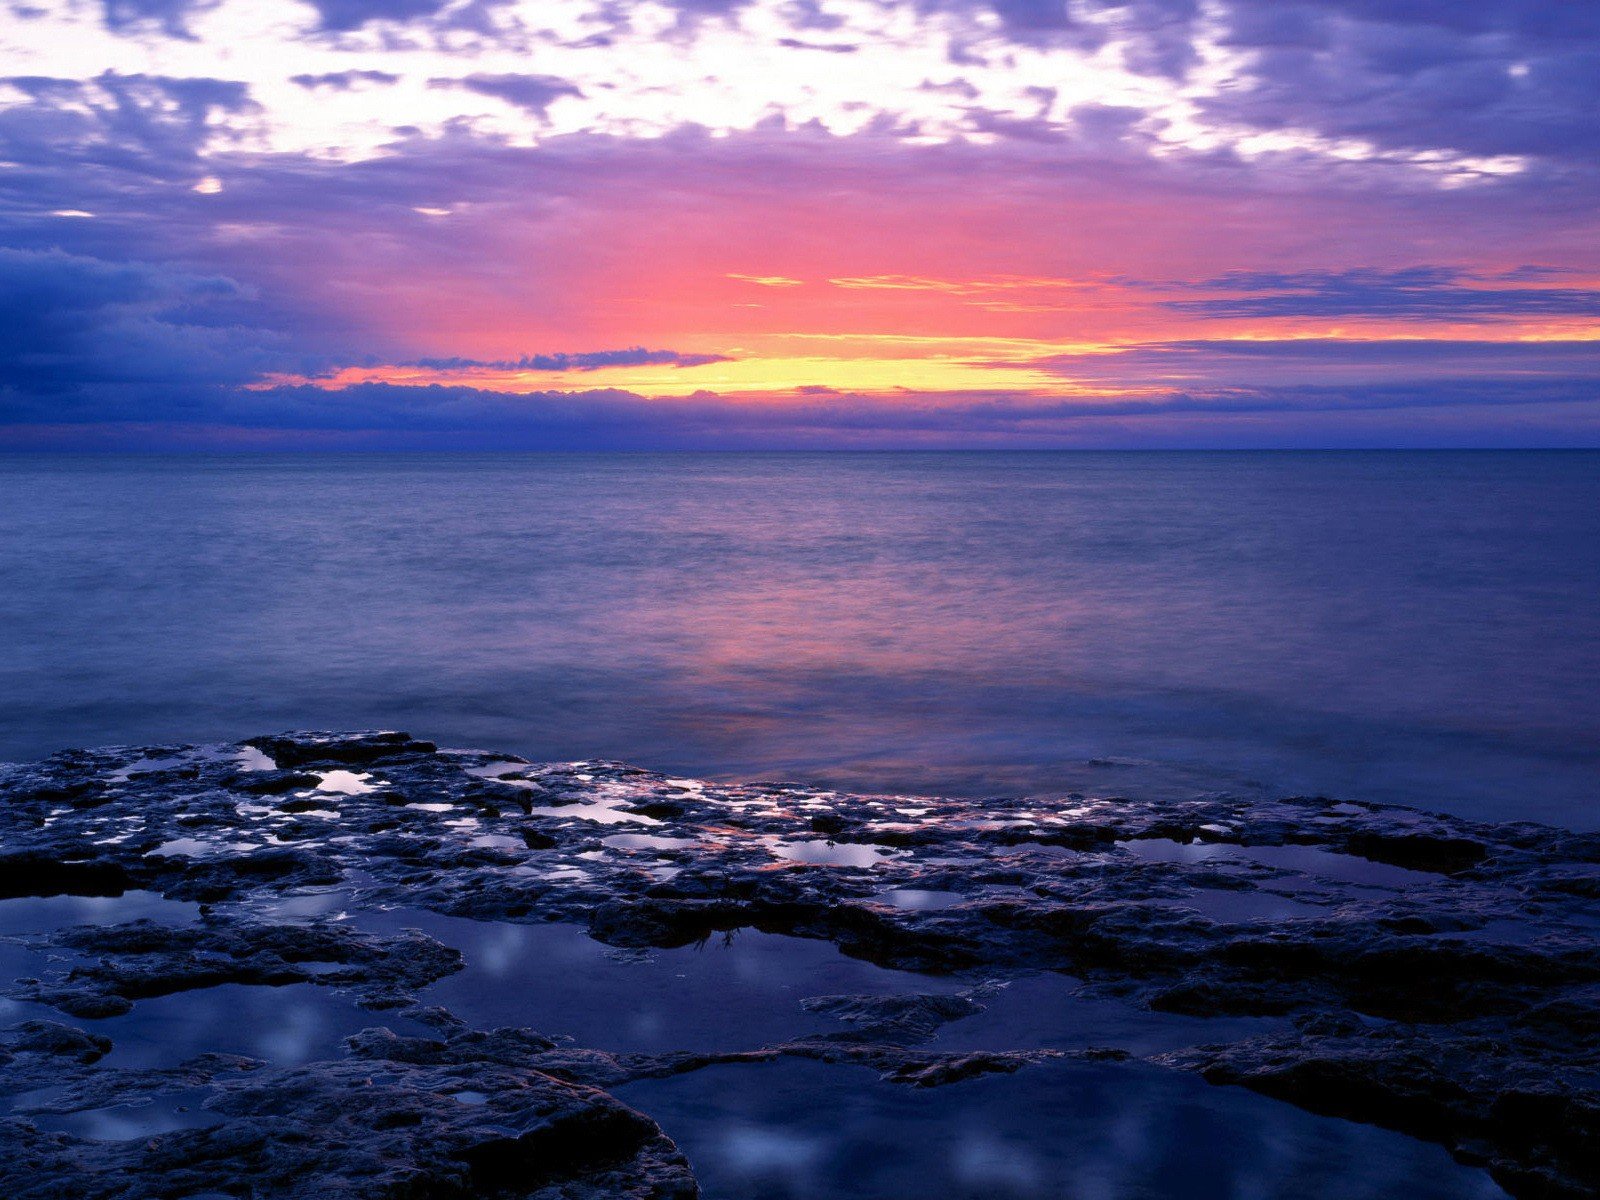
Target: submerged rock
<point x="1433" y="975"/>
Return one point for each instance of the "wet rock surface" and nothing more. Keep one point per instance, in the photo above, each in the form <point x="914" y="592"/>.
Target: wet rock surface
<point x="140" y="960"/>
<point x="1426" y="974"/>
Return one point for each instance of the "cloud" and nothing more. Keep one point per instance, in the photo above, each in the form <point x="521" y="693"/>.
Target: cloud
<point x="125" y="122"/>
<point x="824" y="47"/>
<point x="78" y="334"/>
<point x="1391" y="352"/>
<point x="345" y="15"/>
<point x="1486" y="77"/>
<point x="771" y="281"/>
<point x="717" y="226"/>
<point x="594" y="360"/>
<point x="531" y="93"/>
<point x="1415" y="293"/>
<point x="1256" y="362"/>
<point x="343" y="81"/>
<point x="1460" y="90"/>
<point x="382" y="415"/>
<point x="168" y="16"/>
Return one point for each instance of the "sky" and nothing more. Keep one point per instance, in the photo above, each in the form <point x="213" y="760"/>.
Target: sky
<point x="797" y="224"/>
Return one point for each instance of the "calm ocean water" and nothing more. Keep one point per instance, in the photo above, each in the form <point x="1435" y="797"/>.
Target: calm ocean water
<point x="1421" y="628"/>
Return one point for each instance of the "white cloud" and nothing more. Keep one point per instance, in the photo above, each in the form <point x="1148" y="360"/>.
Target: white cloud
<point x="657" y="71"/>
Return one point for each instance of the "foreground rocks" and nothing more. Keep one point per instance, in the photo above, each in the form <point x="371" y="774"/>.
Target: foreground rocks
<point x="1432" y="975"/>
<point x="373" y="1126"/>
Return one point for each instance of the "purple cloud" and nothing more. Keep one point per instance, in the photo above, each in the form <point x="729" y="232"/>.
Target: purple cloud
<point x="343" y="81"/>
<point x="531" y="93"/>
<point x="594" y="360"/>
<point x="1432" y="293"/>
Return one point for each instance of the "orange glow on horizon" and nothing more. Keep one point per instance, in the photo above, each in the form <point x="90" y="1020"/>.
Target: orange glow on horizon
<point x="748" y="377"/>
<point x="807" y="364"/>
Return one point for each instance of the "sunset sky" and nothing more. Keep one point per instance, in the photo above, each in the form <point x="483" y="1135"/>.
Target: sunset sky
<point x="602" y="224"/>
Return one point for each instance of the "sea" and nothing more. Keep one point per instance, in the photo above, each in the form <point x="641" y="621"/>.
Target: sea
<point x="1409" y="627"/>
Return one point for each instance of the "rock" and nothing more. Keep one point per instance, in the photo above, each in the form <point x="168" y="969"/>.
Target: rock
<point x="1435" y="975"/>
<point x="1479" y="1088"/>
<point x="351" y="749"/>
<point x="37" y="1054"/>
<point x="343" y="1129"/>
<point x="143" y="959"/>
<point x="38" y="874"/>
<point x="895" y="1019"/>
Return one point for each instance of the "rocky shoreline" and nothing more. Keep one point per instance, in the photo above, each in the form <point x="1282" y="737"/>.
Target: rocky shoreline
<point x="1430" y="975"/>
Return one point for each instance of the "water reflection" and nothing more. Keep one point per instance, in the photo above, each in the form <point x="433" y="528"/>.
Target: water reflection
<point x="40" y="914"/>
<point x="733" y="993"/>
<point x="1312" y="861"/>
<point x="286" y="1026"/>
<point x="820" y="852"/>
<point x="920" y="899"/>
<point x="1056" y="1130"/>
<point x="162" y="1113"/>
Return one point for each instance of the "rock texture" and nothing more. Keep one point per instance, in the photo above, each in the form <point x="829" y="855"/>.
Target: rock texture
<point x="1432" y="975"/>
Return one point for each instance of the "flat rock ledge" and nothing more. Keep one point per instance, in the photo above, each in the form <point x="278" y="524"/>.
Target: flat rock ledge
<point x="1432" y="975"/>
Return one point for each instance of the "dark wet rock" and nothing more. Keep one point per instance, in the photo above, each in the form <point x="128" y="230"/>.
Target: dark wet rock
<point x="142" y="959"/>
<point x="37" y="1054"/>
<point x="912" y="1018"/>
<point x="947" y="1069"/>
<point x="131" y="1087"/>
<point x="881" y="1045"/>
<point x="1421" y="851"/>
<point x="360" y="749"/>
<point x="272" y="783"/>
<point x="52" y="1039"/>
<point x="276" y="868"/>
<point x="40" y="874"/>
<point x="1486" y="1090"/>
<point x="1435" y="975"/>
<point x="363" y="1129"/>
